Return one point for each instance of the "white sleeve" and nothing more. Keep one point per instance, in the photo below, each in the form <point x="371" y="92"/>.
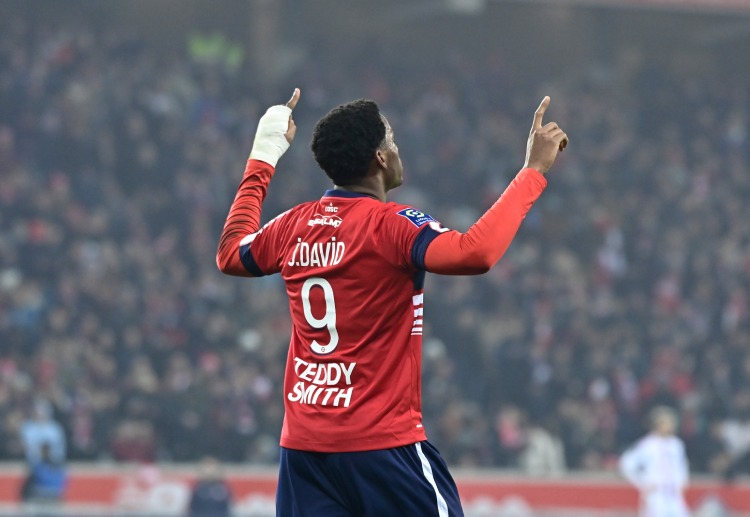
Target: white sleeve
<point x="632" y="464"/>
<point x="683" y="473"/>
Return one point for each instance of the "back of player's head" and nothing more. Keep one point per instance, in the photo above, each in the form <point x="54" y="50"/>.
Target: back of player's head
<point x="663" y="419"/>
<point x="345" y="140"/>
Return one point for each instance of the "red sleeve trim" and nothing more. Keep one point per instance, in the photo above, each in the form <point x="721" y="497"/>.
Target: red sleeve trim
<point x="477" y="250"/>
<point x="244" y="217"/>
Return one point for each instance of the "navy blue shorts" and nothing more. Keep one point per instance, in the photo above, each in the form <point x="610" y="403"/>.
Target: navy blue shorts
<point x="408" y="481"/>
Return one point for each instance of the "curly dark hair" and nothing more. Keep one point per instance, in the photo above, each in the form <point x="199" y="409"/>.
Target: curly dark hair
<point x="345" y="140"/>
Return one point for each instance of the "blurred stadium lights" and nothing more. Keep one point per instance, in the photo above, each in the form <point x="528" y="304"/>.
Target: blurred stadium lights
<point x="710" y="6"/>
<point x="466" y="6"/>
<point x="416" y="10"/>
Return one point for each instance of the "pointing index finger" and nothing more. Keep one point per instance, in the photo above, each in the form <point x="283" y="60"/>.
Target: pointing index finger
<point x="539" y="113"/>
<point x="293" y="101"/>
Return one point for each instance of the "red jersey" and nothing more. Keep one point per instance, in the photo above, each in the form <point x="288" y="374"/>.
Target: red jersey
<point x="354" y="272"/>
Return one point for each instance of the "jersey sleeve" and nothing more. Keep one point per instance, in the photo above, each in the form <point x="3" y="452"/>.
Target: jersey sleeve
<point x="260" y="252"/>
<point x="477" y="250"/>
<point x="683" y="466"/>
<point x="631" y="465"/>
<point x="405" y="234"/>
<point x="246" y="249"/>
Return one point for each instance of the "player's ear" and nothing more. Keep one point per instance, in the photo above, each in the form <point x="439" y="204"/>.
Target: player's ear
<point x="380" y="159"/>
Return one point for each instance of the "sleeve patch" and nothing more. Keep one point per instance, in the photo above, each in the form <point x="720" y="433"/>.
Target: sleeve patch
<point x="416" y="217"/>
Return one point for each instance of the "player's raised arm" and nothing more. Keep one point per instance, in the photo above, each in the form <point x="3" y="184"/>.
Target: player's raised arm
<point x="275" y="133"/>
<point x="477" y="250"/>
<point x="544" y="141"/>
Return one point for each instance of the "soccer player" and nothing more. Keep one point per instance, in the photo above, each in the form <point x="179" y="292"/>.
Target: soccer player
<point x="657" y="466"/>
<point x="353" y="443"/>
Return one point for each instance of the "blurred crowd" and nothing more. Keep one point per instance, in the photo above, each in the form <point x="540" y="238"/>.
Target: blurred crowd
<point x="626" y="288"/>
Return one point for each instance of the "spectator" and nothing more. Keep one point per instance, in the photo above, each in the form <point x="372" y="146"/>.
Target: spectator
<point x="46" y="481"/>
<point x="544" y="455"/>
<point x="41" y="434"/>
<point x="211" y="495"/>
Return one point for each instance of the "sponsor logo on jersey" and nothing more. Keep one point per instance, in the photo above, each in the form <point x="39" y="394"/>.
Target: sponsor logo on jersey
<point x="325" y="220"/>
<point x="416" y="217"/>
<point x="322" y="383"/>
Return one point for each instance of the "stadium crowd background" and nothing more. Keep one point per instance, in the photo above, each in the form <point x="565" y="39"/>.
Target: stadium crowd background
<point x="626" y="288"/>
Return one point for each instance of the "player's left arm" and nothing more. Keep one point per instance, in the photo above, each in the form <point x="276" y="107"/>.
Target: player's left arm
<point x="477" y="250"/>
<point x="273" y="137"/>
<point x="683" y="472"/>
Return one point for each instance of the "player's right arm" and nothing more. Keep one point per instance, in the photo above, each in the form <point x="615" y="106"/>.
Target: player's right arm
<point x="477" y="250"/>
<point x="631" y="466"/>
<point x="275" y="133"/>
<point x="683" y="467"/>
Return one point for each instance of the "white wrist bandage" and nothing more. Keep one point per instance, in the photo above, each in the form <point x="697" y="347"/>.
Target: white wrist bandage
<point x="270" y="142"/>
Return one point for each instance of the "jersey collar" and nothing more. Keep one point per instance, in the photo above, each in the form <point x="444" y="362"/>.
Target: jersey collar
<point x="344" y="193"/>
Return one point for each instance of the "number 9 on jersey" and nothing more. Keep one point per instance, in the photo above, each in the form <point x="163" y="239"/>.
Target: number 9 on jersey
<point x="327" y="321"/>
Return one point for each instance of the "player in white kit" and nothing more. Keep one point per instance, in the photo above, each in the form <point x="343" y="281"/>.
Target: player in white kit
<point x="657" y="466"/>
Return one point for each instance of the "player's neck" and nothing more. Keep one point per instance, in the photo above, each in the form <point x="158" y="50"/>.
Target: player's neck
<point x="373" y="184"/>
<point x="369" y="186"/>
<point x="359" y="190"/>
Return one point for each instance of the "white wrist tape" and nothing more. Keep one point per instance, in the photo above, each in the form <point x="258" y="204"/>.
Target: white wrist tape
<point x="270" y="143"/>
